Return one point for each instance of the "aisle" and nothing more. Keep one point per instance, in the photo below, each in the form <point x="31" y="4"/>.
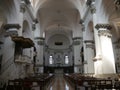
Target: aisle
<point x="60" y="84"/>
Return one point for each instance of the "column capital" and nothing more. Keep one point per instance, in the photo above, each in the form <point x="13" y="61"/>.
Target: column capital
<point x="40" y="40"/>
<point x="10" y="26"/>
<point x="11" y="29"/>
<point x="89" y="44"/>
<point x="104" y="33"/>
<point x="104" y="26"/>
<point x="88" y="41"/>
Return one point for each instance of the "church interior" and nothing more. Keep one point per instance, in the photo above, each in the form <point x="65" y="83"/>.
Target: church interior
<point x="59" y="44"/>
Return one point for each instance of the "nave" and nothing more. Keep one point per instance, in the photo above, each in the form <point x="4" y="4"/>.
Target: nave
<point x="40" y="37"/>
<point x="59" y="83"/>
<point x="63" y="82"/>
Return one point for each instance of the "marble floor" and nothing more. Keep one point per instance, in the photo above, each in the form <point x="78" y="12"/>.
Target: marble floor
<point x="60" y="84"/>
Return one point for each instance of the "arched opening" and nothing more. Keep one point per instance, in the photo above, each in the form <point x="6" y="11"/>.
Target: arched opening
<point x="90" y="32"/>
<point x="26" y="30"/>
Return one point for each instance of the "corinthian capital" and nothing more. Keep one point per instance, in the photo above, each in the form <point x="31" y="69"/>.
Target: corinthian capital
<point x="104" y="33"/>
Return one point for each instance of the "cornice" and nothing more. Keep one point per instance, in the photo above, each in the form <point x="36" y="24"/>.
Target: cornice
<point x="9" y="26"/>
<point x="88" y="41"/>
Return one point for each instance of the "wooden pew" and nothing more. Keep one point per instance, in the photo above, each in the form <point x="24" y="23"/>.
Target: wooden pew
<point x="28" y="83"/>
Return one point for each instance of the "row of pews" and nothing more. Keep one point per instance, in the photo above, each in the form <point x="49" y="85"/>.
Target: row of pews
<point x="38" y="82"/>
<point x="81" y="82"/>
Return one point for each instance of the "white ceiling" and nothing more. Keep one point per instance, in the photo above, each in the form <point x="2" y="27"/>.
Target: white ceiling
<point x="58" y="17"/>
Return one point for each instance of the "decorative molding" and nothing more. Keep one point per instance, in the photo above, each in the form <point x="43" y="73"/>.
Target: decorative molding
<point x="88" y="41"/>
<point x="26" y="1"/>
<point x="93" y="9"/>
<point x="40" y="42"/>
<point x="33" y="26"/>
<point x="35" y="21"/>
<point x="11" y="29"/>
<point x="76" y="38"/>
<point x="76" y="42"/>
<point x="10" y="26"/>
<point x="89" y="2"/>
<point x="105" y="26"/>
<point x="117" y="4"/>
<point x="11" y="33"/>
<point x="104" y="33"/>
<point x="92" y="46"/>
<point x="81" y="21"/>
<point x="39" y="38"/>
<point x="24" y="6"/>
<point x="83" y="27"/>
<point x="89" y="44"/>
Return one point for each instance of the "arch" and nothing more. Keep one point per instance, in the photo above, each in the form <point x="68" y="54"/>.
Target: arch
<point x="115" y="29"/>
<point x="43" y="3"/>
<point x="90" y="25"/>
<point x="90" y="30"/>
<point x="51" y="32"/>
<point x="26" y="29"/>
<point x="58" y="41"/>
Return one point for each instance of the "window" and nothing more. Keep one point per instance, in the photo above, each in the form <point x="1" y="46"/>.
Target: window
<point x="50" y="60"/>
<point x="66" y="60"/>
<point x="58" y="43"/>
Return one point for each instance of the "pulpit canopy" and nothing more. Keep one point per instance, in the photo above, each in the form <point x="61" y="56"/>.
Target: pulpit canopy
<point x="23" y="42"/>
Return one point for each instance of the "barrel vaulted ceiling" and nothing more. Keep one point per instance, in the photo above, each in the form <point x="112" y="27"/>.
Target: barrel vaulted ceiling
<point x="53" y="14"/>
<point x="58" y="16"/>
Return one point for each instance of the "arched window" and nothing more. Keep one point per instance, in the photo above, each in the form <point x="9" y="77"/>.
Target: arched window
<point x="50" y="60"/>
<point x="66" y="60"/>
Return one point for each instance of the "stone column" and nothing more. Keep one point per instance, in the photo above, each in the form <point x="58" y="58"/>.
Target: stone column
<point x="107" y="62"/>
<point x="40" y="53"/>
<point x="89" y="55"/>
<point x="77" y="58"/>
